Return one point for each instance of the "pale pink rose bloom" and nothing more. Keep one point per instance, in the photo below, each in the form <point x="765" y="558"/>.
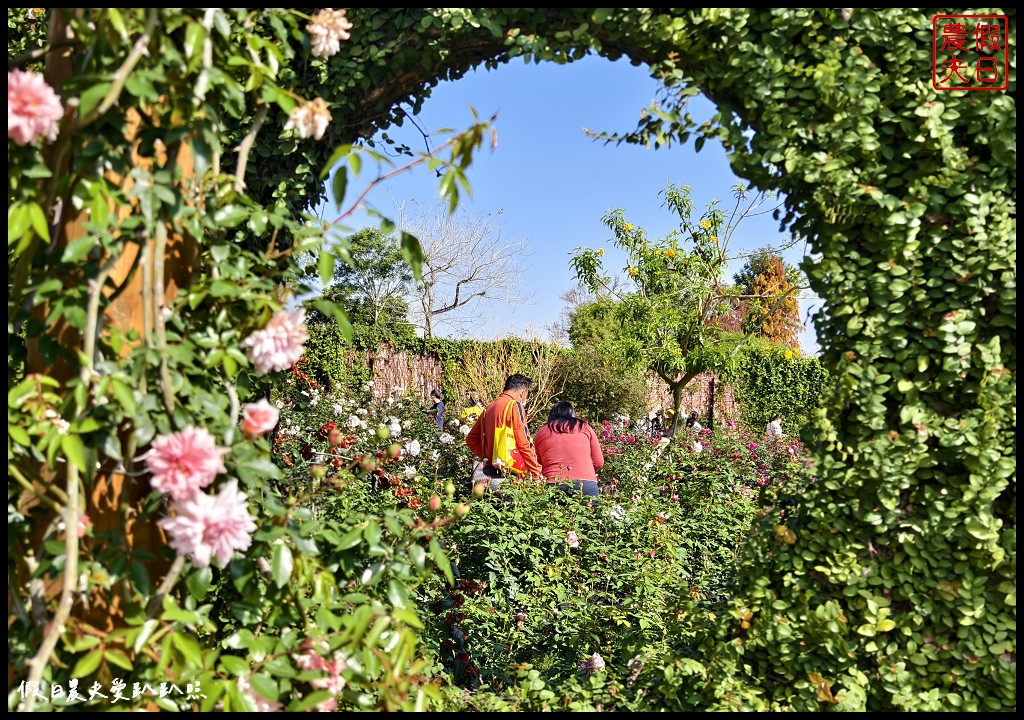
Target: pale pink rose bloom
<point x="211" y="527"/>
<point x="184" y="462"/>
<point x="259" y="418"/>
<point x="261" y="703"/>
<point x="84" y="523"/>
<point x="333" y="681"/>
<point x="327" y="30"/>
<point x="277" y="346"/>
<point x="33" y="108"/>
<point x="572" y="539"/>
<point x="310" y="119"/>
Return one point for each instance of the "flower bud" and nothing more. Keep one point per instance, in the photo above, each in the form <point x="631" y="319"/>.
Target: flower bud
<point x="435" y="503"/>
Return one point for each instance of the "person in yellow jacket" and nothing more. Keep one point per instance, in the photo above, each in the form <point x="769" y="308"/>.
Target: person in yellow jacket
<point x="504" y="411"/>
<point x="472" y="409"/>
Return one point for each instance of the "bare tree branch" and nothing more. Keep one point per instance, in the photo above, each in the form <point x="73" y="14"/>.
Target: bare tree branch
<point x="470" y="269"/>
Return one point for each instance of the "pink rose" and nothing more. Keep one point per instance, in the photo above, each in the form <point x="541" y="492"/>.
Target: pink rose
<point x="277" y="346"/>
<point x="185" y="462"/>
<point x="259" y="418"/>
<point x="33" y="108"/>
<point x="211" y="527"/>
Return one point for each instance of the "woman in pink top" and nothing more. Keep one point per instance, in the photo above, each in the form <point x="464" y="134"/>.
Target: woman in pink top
<point x="568" y="450"/>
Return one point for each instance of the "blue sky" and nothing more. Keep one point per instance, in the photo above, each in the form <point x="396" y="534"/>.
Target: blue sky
<point x="553" y="183"/>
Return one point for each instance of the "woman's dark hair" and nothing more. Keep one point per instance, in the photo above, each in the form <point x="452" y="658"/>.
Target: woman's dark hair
<point x="435" y="394"/>
<point x="562" y="418"/>
<point x="692" y="419"/>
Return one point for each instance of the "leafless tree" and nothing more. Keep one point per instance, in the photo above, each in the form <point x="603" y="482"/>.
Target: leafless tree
<point x="471" y="268"/>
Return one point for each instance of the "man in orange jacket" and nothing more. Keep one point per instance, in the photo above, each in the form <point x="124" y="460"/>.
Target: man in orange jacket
<point x="481" y="436"/>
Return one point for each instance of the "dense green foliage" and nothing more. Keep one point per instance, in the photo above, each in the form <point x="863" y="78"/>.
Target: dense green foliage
<point x="773" y="379"/>
<point x="542" y="580"/>
<point x="600" y="387"/>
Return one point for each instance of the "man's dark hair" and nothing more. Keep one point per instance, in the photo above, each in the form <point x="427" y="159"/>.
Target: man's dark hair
<point x="518" y="382"/>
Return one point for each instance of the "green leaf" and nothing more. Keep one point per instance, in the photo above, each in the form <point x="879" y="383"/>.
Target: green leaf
<point x="408" y="617"/>
<point x="124" y="396"/>
<point x="280" y="667"/>
<point x="145" y="632"/>
<point x="18" y="222"/>
<point x="87" y="665"/>
<point x="116" y="657"/>
<point x="231" y="215"/>
<point x="309" y="701"/>
<point x="74" y="450"/>
<point x="281" y="564"/>
<point x="189" y="649"/>
<point x="398" y="594"/>
<point x="79" y="248"/>
<point x="235" y="665"/>
<point x="265" y="686"/>
<point x="441" y="560"/>
<point x="412" y="251"/>
<point x="979" y="530"/>
<point x="39" y="224"/>
<point x="194" y="36"/>
<point x="258" y="222"/>
<point x="325" y="266"/>
<point x="18" y="435"/>
<point x="351" y="539"/>
<point x="91" y="97"/>
<point x="256" y="469"/>
<point x="338" y="185"/>
<point x="199" y="581"/>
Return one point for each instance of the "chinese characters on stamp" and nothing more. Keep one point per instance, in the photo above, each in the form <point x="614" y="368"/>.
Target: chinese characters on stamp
<point x="970" y="52"/>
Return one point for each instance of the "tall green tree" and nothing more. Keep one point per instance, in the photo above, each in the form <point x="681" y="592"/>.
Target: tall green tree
<point x="374" y="278"/>
<point x="667" y="320"/>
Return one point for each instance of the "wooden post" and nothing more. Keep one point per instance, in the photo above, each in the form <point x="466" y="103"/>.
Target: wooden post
<point x="111" y="498"/>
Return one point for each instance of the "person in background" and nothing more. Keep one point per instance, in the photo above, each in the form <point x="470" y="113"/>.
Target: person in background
<point x="773" y="432"/>
<point x="437" y="409"/>
<point x="480" y="439"/>
<point x="473" y="408"/>
<point x="692" y="425"/>
<point x="569" y="452"/>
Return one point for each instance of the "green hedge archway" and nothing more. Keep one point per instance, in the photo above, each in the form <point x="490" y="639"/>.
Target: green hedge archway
<point x="900" y="588"/>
